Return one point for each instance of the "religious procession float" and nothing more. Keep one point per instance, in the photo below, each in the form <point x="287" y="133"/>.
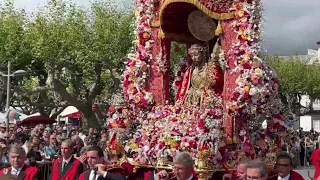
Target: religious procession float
<point x="223" y="89"/>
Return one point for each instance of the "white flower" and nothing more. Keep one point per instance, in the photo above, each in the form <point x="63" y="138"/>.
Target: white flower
<point x="115" y="116"/>
<point x="252" y="91"/>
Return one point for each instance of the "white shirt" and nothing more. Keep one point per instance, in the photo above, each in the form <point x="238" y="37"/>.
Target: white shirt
<point x="15" y="171"/>
<point x="67" y="160"/>
<point x="92" y="174"/>
<point x="97" y="175"/>
<point x="285" y="178"/>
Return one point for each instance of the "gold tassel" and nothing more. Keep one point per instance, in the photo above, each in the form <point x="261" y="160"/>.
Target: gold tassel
<point x="219" y="30"/>
<point x="161" y="34"/>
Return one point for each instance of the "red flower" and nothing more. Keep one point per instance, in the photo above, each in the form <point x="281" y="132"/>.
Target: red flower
<point x="112" y="109"/>
<point x="201" y="124"/>
<point x="246" y="65"/>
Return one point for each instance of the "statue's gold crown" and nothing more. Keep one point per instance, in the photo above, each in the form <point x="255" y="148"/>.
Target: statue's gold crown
<point x="197" y="47"/>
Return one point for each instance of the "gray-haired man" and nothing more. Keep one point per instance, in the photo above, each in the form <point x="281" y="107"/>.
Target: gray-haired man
<point x="257" y="170"/>
<point x="182" y="168"/>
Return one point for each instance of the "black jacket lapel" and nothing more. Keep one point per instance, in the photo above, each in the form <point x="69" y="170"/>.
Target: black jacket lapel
<point x="66" y="168"/>
<point x="22" y="173"/>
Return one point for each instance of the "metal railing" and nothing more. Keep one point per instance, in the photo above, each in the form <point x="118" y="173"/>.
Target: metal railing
<point x="44" y="170"/>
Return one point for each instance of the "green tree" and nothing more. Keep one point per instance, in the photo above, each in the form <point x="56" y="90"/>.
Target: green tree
<point x="297" y="78"/>
<point x="74" y="55"/>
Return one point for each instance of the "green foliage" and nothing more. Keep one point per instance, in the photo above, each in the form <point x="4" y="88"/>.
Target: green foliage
<point x="297" y="78"/>
<point x="67" y="48"/>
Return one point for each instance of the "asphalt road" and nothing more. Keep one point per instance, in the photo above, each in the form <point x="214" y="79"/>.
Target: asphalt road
<point x="304" y="172"/>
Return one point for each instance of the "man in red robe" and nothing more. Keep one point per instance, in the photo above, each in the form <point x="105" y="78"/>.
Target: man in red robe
<point x="97" y="168"/>
<point x="284" y="168"/>
<point x="17" y="158"/>
<point x="67" y="167"/>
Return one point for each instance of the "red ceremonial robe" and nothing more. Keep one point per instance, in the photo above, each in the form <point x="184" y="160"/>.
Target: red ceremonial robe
<point x="72" y="170"/>
<point x="315" y="159"/>
<point x="26" y="173"/>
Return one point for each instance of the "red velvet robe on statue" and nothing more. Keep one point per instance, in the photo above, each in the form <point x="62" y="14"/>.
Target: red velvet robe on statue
<point x="183" y="89"/>
<point x="26" y="173"/>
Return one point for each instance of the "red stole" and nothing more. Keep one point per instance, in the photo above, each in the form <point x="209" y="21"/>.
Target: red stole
<point x="183" y="89"/>
<point x="82" y="175"/>
<point x="315" y="158"/>
<point x="27" y="172"/>
<point x="147" y="175"/>
<point x="70" y="175"/>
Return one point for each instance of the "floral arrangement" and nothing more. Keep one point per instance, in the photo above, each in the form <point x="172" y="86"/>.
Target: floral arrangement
<point x="172" y="128"/>
<point x="119" y="117"/>
<point x="183" y="67"/>
<point x="137" y="65"/>
<point x="257" y="83"/>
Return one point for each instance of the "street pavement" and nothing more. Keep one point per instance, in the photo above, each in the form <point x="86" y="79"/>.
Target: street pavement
<point x="304" y="172"/>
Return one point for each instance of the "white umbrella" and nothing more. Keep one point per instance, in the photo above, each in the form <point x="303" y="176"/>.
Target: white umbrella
<point x="68" y="110"/>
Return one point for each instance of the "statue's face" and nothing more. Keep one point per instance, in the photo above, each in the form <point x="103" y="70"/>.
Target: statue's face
<point x="197" y="56"/>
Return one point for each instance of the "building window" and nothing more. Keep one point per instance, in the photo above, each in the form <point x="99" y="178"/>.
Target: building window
<point x="316" y="125"/>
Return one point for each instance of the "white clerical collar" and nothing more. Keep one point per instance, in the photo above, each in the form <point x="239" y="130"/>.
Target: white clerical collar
<point x="190" y="177"/>
<point x="67" y="160"/>
<point x="285" y="178"/>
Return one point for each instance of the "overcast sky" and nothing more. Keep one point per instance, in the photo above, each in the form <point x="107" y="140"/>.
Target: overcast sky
<point x="292" y="26"/>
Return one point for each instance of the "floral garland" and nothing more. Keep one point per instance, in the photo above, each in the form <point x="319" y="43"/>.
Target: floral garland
<point x="137" y="65"/>
<point x="256" y="83"/>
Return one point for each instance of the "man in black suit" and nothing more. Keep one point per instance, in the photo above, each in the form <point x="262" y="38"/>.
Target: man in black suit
<point x="183" y="165"/>
<point x="97" y="169"/>
<point x="66" y="167"/>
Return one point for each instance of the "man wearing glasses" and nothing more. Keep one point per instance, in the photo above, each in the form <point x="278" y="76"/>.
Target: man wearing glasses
<point x="284" y="166"/>
<point x="257" y="170"/>
<point x="182" y="169"/>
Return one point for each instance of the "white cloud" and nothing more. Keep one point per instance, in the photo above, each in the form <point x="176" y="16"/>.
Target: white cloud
<point x="292" y="26"/>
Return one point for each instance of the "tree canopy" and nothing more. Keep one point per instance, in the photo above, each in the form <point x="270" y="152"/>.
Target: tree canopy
<point x="297" y="77"/>
<point x="73" y="55"/>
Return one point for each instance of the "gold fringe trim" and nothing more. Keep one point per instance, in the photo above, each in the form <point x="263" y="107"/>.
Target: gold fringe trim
<point x="219" y="29"/>
<point x="161" y="34"/>
<point x="218" y="16"/>
<point x="233" y="140"/>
